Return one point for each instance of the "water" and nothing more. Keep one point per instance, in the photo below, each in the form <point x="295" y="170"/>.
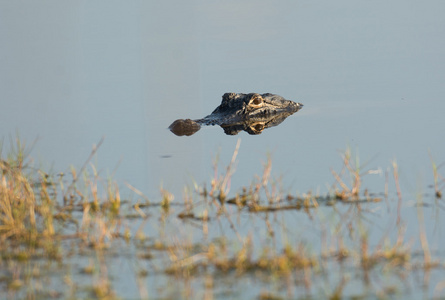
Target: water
<point x="370" y="76"/>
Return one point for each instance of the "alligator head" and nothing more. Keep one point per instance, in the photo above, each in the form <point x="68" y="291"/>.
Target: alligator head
<point x="249" y="112"/>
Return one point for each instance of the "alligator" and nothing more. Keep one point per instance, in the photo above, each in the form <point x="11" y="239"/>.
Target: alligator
<point x="249" y="112"/>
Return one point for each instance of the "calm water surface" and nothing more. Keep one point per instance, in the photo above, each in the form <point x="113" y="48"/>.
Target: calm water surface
<point x="369" y="73"/>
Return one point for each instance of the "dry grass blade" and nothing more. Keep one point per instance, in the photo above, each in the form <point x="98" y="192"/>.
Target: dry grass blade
<point x="225" y="183"/>
<point x="399" y="192"/>
<point x="76" y="178"/>
<point x="437" y="176"/>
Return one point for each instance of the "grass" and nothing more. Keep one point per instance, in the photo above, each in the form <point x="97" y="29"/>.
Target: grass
<point x="66" y="235"/>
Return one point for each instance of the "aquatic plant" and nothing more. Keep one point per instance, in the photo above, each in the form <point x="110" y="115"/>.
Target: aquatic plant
<point x="65" y="235"/>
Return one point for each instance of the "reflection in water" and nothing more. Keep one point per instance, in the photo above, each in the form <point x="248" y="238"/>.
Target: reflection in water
<point x="249" y="112"/>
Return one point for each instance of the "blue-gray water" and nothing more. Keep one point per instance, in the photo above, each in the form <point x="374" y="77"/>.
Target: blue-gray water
<point x="371" y="75"/>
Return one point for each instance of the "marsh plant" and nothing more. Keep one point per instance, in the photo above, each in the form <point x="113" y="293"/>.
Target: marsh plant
<point x="69" y="235"/>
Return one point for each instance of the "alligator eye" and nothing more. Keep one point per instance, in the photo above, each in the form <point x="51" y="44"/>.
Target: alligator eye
<point x="257" y="128"/>
<point x="256" y="101"/>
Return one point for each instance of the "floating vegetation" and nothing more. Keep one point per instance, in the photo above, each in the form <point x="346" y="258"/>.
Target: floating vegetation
<point x="77" y="235"/>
